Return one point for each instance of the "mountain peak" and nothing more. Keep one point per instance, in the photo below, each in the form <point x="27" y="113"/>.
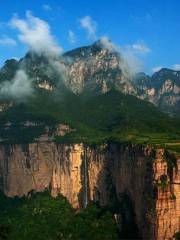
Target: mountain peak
<point x="105" y="43"/>
<point x="101" y="44"/>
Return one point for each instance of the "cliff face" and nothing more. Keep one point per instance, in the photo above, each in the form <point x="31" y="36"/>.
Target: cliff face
<point x="98" y="68"/>
<point x="162" y="89"/>
<point x="125" y="178"/>
<point x="167" y="198"/>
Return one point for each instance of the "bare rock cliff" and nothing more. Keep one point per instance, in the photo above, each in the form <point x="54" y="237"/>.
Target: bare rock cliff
<point x="138" y="183"/>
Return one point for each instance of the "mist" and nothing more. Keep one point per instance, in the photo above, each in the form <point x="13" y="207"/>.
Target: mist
<point x="19" y="87"/>
<point x="35" y="33"/>
<point x="129" y="62"/>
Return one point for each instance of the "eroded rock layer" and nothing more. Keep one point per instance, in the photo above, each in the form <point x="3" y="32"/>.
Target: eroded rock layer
<point x="139" y="184"/>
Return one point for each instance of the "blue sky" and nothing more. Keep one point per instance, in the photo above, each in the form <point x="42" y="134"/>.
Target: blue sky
<point x="148" y="29"/>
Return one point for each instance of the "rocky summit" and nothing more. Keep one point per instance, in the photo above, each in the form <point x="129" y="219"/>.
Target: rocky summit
<point x="162" y="89"/>
<point x="97" y="69"/>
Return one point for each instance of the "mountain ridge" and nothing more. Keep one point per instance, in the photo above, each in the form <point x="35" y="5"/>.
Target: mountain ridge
<point x="90" y="90"/>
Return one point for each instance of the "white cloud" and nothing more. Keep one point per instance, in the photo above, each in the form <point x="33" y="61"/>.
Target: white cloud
<point x="7" y="41"/>
<point x="46" y="7"/>
<point x="141" y="48"/>
<point x="89" y="25"/>
<point x="71" y="37"/>
<point x="134" y="63"/>
<point x="36" y="33"/>
<point x="19" y="87"/>
<point x="129" y="62"/>
<point x="106" y="43"/>
<point x="176" y="67"/>
<point x="156" y="69"/>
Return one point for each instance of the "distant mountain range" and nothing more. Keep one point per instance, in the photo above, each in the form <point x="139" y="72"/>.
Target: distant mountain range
<point x="162" y="89"/>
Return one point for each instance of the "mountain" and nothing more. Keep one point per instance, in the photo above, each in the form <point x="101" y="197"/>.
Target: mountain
<point x="162" y="89"/>
<point x="98" y="69"/>
<point x="94" y="70"/>
<point x="79" y="125"/>
<point x="88" y="89"/>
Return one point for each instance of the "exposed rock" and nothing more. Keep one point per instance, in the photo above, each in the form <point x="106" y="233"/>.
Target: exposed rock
<point x="62" y="130"/>
<point x="5" y="105"/>
<point x="96" y="68"/>
<point x="121" y="173"/>
<point x="45" y="85"/>
<point x="168" y="199"/>
<point x="162" y="89"/>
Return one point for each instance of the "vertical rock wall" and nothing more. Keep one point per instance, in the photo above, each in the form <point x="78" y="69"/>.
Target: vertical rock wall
<point x="125" y="177"/>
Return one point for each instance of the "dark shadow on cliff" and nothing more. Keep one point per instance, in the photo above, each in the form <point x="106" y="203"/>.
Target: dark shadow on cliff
<point x="120" y="205"/>
<point x="129" y="228"/>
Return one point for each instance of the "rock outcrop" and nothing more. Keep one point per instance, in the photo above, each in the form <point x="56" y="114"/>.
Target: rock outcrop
<point x="98" y="68"/>
<point x="138" y="183"/>
<point x="162" y="89"/>
<point x="168" y="197"/>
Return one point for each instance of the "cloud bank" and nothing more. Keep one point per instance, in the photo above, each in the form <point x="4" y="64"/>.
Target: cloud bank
<point x="19" y="87"/>
<point x="36" y="34"/>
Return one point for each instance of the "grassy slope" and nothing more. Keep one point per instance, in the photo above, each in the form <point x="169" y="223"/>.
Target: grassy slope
<point x="96" y="118"/>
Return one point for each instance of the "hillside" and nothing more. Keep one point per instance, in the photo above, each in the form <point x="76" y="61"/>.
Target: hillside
<point x="112" y="115"/>
<point x="89" y="90"/>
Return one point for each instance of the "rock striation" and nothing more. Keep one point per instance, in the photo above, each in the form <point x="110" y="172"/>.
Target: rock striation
<point x="98" y="68"/>
<point x="137" y="182"/>
<point x="95" y="69"/>
<point x="162" y="89"/>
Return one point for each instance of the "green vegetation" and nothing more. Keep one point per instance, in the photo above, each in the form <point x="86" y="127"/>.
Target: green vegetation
<point x="177" y="236"/>
<point x="173" y="148"/>
<point x="96" y="119"/>
<point x="7" y="72"/>
<point x="173" y="197"/>
<point x="163" y="184"/>
<point x="43" y="217"/>
<point x="171" y="160"/>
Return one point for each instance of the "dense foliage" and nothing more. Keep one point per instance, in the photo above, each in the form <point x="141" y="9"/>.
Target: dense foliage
<point x="177" y="236"/>
<point x="95" y="118"/>
<point x="42" y="217"/>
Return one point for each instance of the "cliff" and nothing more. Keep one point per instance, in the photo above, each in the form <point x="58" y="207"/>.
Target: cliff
<point x="162" y="89"/>
<point x="98" y="68"/>
<point x="139" y="185"/>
